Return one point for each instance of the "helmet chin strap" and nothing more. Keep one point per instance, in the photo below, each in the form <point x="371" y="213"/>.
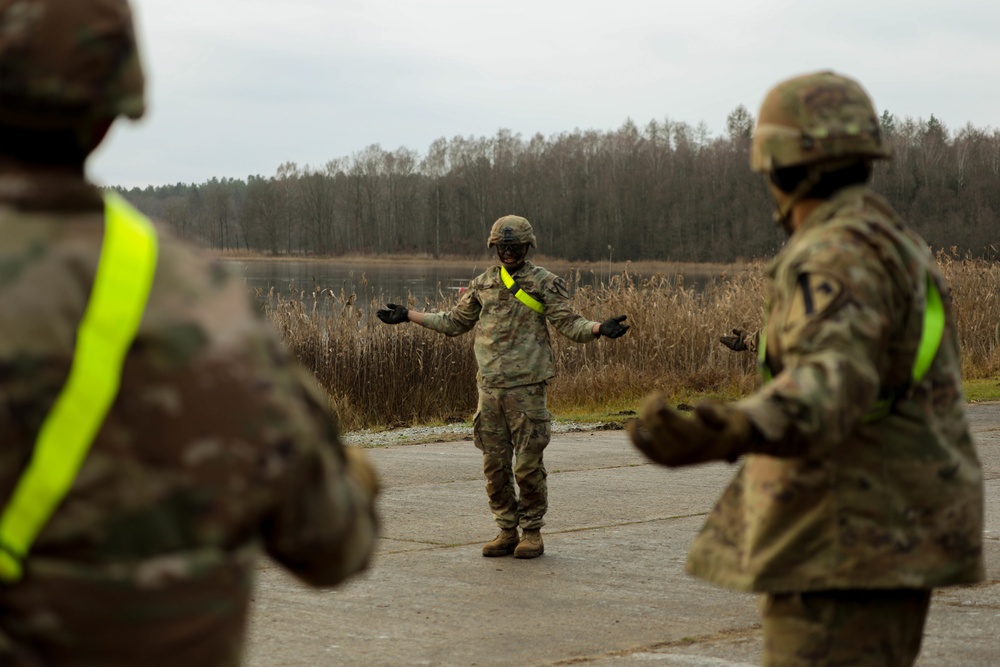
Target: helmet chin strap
<point x="786" y="201"/>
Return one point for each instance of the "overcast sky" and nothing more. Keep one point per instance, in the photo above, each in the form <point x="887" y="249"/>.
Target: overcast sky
<point x="237" y="87"/>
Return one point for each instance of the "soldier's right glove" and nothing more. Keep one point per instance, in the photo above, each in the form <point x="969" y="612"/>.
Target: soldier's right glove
<point x="360" y="468"/>
<point x="715" y="432"/>
<point x="613" y="327"/>
<point x="737" y="342"/>
<point x="393" y="314"/>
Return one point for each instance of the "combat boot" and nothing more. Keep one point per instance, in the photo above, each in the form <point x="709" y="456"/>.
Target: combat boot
<point x="530" y="545"/>
<point x="503" y="544"/>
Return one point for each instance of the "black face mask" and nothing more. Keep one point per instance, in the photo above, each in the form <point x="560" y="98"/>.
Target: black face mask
<point x="512" y="254"/>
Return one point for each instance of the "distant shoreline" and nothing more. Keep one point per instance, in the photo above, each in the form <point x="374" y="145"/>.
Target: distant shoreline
<point x="645" y="267"/>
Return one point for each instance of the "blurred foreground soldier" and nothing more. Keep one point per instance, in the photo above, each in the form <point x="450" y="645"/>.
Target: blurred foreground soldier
<point x="155" y="431"/>
<point x="861" y="490"/>
<point x="512" y="303"/>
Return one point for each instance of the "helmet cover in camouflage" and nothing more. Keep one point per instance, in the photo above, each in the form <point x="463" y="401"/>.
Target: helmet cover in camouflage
<point x="816" y="118"/>
<point x="67" y="62"/>
<point x="511" y="229"/>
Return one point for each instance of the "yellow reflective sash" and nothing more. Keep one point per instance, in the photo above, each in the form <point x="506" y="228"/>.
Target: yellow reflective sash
<point x="109" y="325"/>
<point x="520" y="294"/>
<point x="930" y="339"/>
<point x="930" y="343"/>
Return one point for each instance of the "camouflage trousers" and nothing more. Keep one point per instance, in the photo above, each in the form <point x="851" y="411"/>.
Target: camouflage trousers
<point x="849" y="628"/>
<point x="512" y="429"/>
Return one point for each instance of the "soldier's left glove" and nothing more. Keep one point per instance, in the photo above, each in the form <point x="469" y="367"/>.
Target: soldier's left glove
<point x="737" y="342"/>
<point x="393" y="314"/>
<point x="715" y="432"/>
<point x="613" y="327"/>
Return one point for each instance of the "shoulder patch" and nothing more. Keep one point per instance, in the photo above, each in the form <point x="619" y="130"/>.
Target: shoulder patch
<point x="814" y="292"/>
<point x="558" y="285"/>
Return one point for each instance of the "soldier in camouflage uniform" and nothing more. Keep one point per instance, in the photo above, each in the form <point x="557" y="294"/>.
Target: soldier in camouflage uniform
<point x="217" y="442"/>
<point x="514" y="355"/>
<point x="861" y="490"/>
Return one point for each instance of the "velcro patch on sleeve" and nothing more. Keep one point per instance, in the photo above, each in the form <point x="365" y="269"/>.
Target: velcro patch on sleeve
<point x="814" y="295"/>
<point x="559" y="287"/>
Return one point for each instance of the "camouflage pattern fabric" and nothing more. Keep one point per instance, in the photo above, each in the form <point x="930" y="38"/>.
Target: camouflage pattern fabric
<point x="511" y="229"/>
<point x="512" y="341"/>
<point x="217" y="444"/>
<point x="816" y="119"/>
<point x="829" y="499"/>
<point x="514" y="424"/>
<point x="514" y="354"/>
<point x="851" y="628"/>
<point x="63" y="62"/>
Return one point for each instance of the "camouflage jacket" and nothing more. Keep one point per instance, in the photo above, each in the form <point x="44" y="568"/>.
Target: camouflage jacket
<point x="831" y="499"/>
<point x="512" y="342"/>
<point x="217" y="443"/>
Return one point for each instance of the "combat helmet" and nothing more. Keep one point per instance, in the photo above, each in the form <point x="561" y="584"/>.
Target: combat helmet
<point x="816" y="118"/>
<point x="511" y="229"/>
<point x="67" y="62"/>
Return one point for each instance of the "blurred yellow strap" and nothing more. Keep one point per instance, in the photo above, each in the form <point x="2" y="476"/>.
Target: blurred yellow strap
<point x="930" y="339"/>
<point x="765" y="370"/>
<point x="110" y="322"/>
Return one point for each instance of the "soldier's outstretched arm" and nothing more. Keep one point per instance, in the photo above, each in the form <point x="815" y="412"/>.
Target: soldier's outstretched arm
<point x="324" y="524"/>
<point x="395" y="314"/>
<point x="459" y="319"/>
<point x="561" y="315"/>
<point x="716" y="431"/>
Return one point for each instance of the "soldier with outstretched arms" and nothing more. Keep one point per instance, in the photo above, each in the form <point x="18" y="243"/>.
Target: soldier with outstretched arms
<point x="513" y="304"/>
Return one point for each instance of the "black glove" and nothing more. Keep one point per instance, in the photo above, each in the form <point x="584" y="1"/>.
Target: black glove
<point x="393" y="314"/>
<point x="613" y="327"/>
<point x="737" y="342"/>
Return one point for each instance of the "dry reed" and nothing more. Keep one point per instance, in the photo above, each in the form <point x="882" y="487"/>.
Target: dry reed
<point x="381" y="376"/>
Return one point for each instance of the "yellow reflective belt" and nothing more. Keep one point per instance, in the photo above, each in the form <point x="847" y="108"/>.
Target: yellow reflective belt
<point x="520" y="294"/>
<point x="117" y="301"/>
<point x="930" y="343"/>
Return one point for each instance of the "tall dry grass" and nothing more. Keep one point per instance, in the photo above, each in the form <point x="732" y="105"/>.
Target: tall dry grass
<point x="975" y="289"/>
<point x="380" y="375"/>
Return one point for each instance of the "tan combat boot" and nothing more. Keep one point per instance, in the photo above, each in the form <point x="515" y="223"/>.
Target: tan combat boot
<point x="530" y="545"/>
<point x="502" y="545"/>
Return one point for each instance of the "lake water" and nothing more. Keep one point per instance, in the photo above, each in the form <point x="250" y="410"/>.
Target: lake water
<point x="392" y="280"/>
<point x="386" y="280"/>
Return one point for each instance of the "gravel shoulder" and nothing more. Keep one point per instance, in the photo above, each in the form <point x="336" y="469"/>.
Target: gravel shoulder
<point x="418" y="435"/>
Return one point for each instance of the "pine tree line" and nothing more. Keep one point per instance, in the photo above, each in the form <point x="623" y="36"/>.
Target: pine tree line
<point x="665" y="191"/>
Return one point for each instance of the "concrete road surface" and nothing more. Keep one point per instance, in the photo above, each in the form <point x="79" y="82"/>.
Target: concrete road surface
<point x="610" y="590"/>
